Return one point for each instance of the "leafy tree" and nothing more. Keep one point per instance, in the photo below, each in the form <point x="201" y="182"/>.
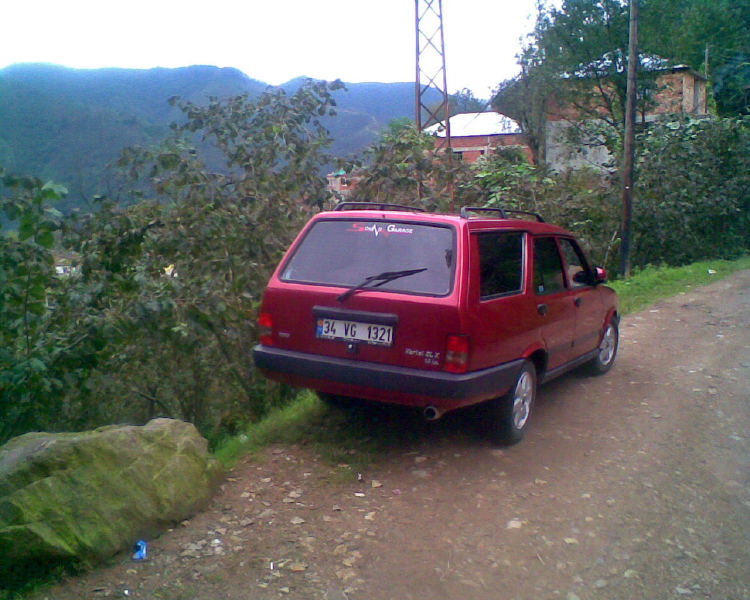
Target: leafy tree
<point x="577" y="57"/>
<point x="220" y="234"/>
<point x="158" y="316"/>
<point x="526" y="99"/>
<point x="43" y="353"/>
<point x="573" y="67"/>
<point x="404" y="158"/>
<point x="689" y="31"/>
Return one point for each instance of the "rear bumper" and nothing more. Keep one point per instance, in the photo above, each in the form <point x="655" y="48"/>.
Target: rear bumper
<point x="373" y="380"/>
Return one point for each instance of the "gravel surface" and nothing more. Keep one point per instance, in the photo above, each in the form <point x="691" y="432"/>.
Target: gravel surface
<point x="633" y="485"/>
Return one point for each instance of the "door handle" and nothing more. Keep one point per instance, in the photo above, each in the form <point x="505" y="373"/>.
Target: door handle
<point x="542" y="309"/>
<point x="578" y="301"/>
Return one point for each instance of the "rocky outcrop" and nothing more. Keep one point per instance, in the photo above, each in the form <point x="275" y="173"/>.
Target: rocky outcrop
<point x="89" y="495"/>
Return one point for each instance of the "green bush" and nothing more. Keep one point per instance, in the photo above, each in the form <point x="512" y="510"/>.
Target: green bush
<point x="693" y="191"/>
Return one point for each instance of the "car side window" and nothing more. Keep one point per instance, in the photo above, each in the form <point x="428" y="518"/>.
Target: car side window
<point x="548" y="267"/>
<point x="579" y="274"/>
<point x="500" y="263"/>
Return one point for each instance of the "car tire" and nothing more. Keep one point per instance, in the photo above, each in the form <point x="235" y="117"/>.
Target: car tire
<point x="510" y="414"/>
<point x="607" y="350"/>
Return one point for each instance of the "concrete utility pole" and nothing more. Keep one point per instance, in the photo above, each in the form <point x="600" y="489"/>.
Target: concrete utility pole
<point x="629" y="148"/>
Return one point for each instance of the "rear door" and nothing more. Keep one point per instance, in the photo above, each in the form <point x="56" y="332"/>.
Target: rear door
<point x="506" y="318"/>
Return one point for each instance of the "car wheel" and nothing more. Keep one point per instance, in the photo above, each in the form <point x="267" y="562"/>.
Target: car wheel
<point x="607" y="350"/>
<point x="510" y="414"/>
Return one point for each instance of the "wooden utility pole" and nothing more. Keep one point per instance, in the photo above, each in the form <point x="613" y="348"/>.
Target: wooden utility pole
<point x="707" y="73"/>
<point x="628" y="157"/>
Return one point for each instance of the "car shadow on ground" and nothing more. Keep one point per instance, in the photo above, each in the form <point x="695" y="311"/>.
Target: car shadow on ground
<point x="398" y="429"/>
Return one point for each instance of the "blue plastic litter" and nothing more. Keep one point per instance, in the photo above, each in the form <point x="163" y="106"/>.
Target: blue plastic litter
<point x="139" y="550"/>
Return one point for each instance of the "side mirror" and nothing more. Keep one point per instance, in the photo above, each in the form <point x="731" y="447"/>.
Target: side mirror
<point x="600" y="275"/>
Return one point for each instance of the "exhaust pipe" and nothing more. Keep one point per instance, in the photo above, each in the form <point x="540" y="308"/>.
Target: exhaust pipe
<point x="432" y="413"/>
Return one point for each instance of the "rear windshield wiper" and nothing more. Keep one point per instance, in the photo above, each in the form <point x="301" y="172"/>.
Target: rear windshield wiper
<point x="381" y="278"/>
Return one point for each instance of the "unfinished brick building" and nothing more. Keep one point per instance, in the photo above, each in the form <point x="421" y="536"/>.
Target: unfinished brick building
<point x="676" y="91"/>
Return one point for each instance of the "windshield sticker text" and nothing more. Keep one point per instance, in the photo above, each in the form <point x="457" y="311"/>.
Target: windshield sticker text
<point x="378" y="228"/>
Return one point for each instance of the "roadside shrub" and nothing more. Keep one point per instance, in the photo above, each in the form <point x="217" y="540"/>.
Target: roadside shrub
<point x="693" y="191"/>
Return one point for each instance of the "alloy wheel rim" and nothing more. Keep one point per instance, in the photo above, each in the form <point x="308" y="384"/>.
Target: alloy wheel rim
<point x="522" y="399"/>
<point x="607" y="347"/>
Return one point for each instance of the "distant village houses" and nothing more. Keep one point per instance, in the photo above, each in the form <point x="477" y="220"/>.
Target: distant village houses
<point x="677" y="90"/>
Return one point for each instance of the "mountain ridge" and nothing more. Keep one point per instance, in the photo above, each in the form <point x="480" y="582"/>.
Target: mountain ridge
<point x="68" y="124"/>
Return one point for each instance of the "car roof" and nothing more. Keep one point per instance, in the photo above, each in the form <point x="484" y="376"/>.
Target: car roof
<point x="473" y="221"/>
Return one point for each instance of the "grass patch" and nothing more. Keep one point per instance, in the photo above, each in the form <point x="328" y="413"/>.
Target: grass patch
<point x="652" y="284"/>
<point x="282" y="425"/>
<point x="349" y="438"/>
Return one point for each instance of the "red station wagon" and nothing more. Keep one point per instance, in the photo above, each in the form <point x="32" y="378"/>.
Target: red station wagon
<point x="440" y="311"/>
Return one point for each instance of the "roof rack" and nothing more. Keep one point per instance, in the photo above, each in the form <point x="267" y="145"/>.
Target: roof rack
<point x="502" y="212"/>
<point x="375" y="205"/>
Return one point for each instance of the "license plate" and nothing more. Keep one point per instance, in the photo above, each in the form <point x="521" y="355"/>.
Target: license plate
<point x="353" y="331"/>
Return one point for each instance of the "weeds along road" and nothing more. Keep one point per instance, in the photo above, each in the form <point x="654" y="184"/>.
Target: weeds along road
<point x="634" y="485"/>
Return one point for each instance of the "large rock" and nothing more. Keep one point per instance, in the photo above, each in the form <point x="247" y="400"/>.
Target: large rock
<point x="89" y="495"/>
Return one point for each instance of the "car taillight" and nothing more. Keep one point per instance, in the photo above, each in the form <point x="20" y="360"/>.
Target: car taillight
<point x="456" y="354"/>
<point x="265" y="329"/>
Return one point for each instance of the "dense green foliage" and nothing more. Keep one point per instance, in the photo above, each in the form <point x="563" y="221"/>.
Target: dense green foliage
<point x="45" y="351"/>
<point x="690" y="31"/>
<point x="404" y="167"/>
<point x="692" y="191"/>
<point x="164" y="292"/>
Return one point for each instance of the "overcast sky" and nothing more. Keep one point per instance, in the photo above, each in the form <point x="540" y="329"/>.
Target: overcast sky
<point x="273" y="40"/>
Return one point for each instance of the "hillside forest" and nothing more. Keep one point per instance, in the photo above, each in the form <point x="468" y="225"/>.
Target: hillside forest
<point x="137" y="295"/>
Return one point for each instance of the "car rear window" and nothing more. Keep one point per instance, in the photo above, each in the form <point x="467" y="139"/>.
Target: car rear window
<point x="344" y="253"/>
<point x="500" y="263"/>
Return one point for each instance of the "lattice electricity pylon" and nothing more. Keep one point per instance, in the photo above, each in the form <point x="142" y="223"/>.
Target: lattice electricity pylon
<point x="431" y="67"/>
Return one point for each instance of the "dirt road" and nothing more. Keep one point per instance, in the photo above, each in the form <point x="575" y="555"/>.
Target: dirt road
<point x="635" y="485"/>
